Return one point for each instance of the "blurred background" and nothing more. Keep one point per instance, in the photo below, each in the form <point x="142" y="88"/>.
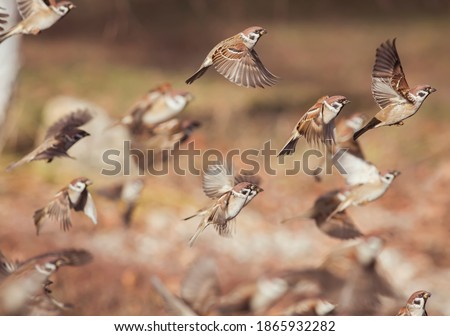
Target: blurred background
<point x="111" y="52"/>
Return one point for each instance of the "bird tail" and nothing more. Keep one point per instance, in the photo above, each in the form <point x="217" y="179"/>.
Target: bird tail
<point x="306" y="215"/>
<point x="38" y="217"/>
<point x="200" y="229"/>
<point x="371" y="124"/>
<point x="7" y="35"/>
<point x="200" y="72"/>
<point x="289" y="148"/>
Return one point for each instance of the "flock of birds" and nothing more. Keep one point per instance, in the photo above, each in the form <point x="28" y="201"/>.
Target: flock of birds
<point x="152" y="122"/>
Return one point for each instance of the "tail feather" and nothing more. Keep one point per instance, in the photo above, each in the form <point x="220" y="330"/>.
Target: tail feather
<point x="200" y="72"/>
<point x="371" y="124"/>
<point x="200" y="229"/>
<point x="7" y="35"/>
<point x="289" y="148"/>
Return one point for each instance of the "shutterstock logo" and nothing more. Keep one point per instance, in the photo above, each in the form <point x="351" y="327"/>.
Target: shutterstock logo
<point x="190" y="160"/>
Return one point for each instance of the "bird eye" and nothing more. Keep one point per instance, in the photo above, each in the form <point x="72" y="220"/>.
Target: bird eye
<point x="336" y="105"/>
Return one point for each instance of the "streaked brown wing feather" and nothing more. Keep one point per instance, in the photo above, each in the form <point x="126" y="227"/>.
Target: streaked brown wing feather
<point x="388" y="78"/>
<point x="29" y="7"/>
<point x="247" y="177"/>
<point x="340" y="226"/>
<point x="311" y="126"/>
<point x="242" y="66"/>
<point x="70" y="121"/>
<point x="59" y="210"/>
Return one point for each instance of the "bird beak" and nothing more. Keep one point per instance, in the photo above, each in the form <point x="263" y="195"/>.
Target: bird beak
<point x="72" y="6"/>
<point x="263" y="32"/>
<point x="432" y="90"/>
<point x="88" y="182"/>
<point x="426" y="295"/>
<point x="395" y="173"/>
<point x="346" y="101"/>
<point x="259" y="189"/>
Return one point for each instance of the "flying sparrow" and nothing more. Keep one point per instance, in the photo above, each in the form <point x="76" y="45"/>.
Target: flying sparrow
<point x="24" y="288"/>
<point x="199" y="293"/>
<point x="75" y="196"/>
<point x="37" y="16"/>
<point x="236" y="60"/>
<point x="62" y="135"/>
<point x="415" y="306"/>
<point x="230" y="197"/>
<point x="340" y="225"/>
<point x="317" y="124"/>
<point x="391" y="90"/>
<point x="128" y="192"/>
<point x="366" y="183"/>
<point x="158" y="105"/>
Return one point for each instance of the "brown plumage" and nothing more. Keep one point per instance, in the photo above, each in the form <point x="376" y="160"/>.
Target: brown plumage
<point x="24" y="286"/>
<point x="340" y="225"/>
<point x="236" y="60"/>
<point x="60" y="137"/>
<point x="391" y="91"/>
<point x="75" y="196"/>
<point x="416" y="304"/>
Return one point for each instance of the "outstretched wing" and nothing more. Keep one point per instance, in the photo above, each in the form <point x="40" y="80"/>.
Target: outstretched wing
<point x="242" y="66"/>
<point x="29" y="7"/>
<point x="217" y="180"/>
<point x="389" y="84"/>
<point x="70" y="121"/>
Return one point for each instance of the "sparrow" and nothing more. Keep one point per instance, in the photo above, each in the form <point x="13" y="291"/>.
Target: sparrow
<point x="391" y="91"/>
<point x="345" y="129"/>
<point x="229" y="196"/>
<point x="366" y="183"/>
<point x="158" y="105"/>
<point x="128" y="192"/>
<point x="415" y="306"/>
<point x="365" y="283"/>
<point x="24" y="288"/>
<point x="161" y="140"/>
<point x="75" y="196"/>
<point x="340" y="225"/>
<point x="62" y="135"/>
<point x="37" y="16"/>
<point x="236" y="60"/>
<point x="199" y="293"/>
<point x="317" y="124"/>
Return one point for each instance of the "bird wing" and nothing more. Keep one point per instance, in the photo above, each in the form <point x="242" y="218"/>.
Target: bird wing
<point x="3" y="18"/>
<point x="58" y="210"/>
<point x="389" y="84"/>
<point x="217" y="180"/>
<point x="311" y="125"/>
<point x="30" y="7"/>
<point x="357" y="171"/>
<point x="242" y="66"/>
<point x="70" y="121"/>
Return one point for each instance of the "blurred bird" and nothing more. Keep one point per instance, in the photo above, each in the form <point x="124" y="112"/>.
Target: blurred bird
<point x="158" y="142"/>
<point x="365" y="283"/>
<point x="128" y="192"/>
<point x="317" y="124"/>
<point x="75" y="196"/>
<point x="24" y="286"/>
<point x="200" y="290"/>
<point x="366" y="184"/>
<point x="37" y="16"/>
<point x="415" y="306"/>
<point x="230" y="196"/>
<point x="391" y="90"/>
<point x="158" y="105"/>
<point x="236" y="60"/>
<point x="340" y="225"/>
<point x="59" y="138"/>
<point x="345" y="129"/>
